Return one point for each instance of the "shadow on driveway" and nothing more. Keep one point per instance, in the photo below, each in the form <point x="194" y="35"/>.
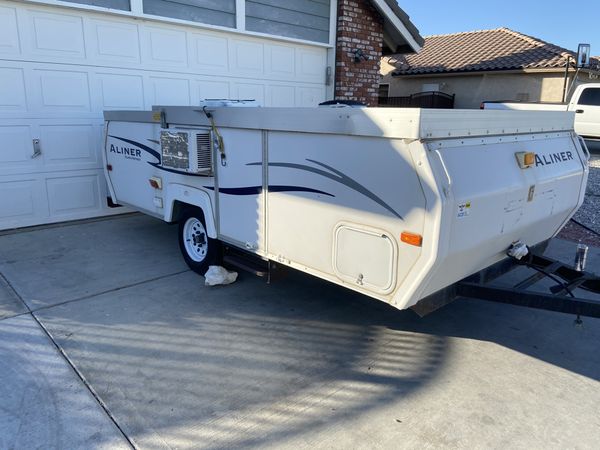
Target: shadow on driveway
<point x="251" y="364"/>
<point x="237" y="365"/>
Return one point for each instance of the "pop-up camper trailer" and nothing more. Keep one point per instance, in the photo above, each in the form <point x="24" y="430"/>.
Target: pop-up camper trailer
<point x="394" y="203"/>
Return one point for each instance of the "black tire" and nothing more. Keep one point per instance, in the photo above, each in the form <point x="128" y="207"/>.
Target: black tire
<point x="198" y="250"/>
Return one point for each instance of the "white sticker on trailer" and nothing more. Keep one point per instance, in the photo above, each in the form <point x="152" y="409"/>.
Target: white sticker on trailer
<point x="463" y="209"/>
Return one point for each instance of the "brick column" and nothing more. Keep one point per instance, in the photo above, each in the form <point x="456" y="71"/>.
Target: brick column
<point x="359" y="27"/>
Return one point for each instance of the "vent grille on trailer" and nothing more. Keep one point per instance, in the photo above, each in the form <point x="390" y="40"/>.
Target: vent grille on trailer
<point x="187" y="151"/>
<point x="204" y="151"/>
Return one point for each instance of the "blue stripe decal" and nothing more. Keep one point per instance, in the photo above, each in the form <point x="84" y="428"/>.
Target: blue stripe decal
<point x="255" y="190"/>
<point x="334" y="175"/>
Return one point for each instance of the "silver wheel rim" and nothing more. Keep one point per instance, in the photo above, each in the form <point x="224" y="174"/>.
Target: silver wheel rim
<point x="195" y="239"/>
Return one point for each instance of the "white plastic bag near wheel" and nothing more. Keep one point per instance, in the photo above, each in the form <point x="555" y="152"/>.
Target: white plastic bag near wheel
<point x="216" y="275"/>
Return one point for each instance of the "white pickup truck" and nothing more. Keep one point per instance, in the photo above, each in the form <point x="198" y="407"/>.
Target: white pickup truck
<point x="585" y="103"/>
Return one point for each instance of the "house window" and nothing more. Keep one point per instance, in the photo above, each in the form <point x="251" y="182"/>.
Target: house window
<point x="114" y="4"/>
<point x="307" y="20"/>
<point x="590" y="96"/>
<point x="213" y="12"/>
<point x="430" y="87"/>
<point x="301" y="19"/>
<point x="384" y="90"/>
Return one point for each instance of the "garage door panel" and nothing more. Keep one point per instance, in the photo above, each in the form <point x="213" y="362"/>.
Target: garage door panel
<point x="12" y="89"/>
<point x="61" y="67"/>
<point x="281" y="96"/>
<point x="169" y="91"/>
<point x="280" y="61"/>
<point x="121" y="91"/>
<point x="211" y="89"/>
<point x="55" y="35"/>
<point x="63" y="90"/>
<point x="113" y="42"/>
<point x="246" y="57"/>
<point x="21" y="200"/>
<point x="309" y="96"/>
<point x="250" y="91"/>
<point x="25" y="200"/>
<point x="73" y="194"/>
<point x="311" y="64"/>
<point x="9" y="35"/>
<point x="209" y="53"/>
<point x="67" y="37"/>
<point x="91" y="39"/>
<point x="70" y="146"/>
<point x="164" y="47"/>
<point x="16" y="148"/>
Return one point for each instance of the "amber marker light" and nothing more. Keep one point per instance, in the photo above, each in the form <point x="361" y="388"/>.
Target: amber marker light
<point x="411" y="238"/>
<point x="525" y="159"/>
<point x="529" y="159"/>
<point x="155" y="182"/>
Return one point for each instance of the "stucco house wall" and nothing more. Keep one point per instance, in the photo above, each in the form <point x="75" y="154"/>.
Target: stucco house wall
<point x="472" y="89"/>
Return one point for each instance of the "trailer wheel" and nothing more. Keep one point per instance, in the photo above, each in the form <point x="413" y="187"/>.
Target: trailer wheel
<point x="198" y="250"/>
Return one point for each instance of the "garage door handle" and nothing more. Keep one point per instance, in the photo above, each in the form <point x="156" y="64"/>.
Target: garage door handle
<point x="37" y="151"/>
<point x="579" y="111"/>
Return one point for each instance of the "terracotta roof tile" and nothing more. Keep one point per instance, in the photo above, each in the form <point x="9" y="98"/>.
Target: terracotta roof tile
<point x="485" y="50"/>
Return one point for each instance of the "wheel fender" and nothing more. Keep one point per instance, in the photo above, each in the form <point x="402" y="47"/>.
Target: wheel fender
<point x="194" y="197"/>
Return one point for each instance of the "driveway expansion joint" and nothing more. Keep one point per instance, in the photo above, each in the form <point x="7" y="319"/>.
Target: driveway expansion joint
<point x="79" y="375"/>
<point x="108" y="291"/>
<point x="68" y="223"/>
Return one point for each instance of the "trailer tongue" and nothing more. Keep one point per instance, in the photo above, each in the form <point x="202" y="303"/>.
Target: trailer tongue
<point x="574" y="291"/>
<point x="398" y="204"/>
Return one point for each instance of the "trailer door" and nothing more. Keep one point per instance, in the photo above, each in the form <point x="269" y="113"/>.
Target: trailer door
<point x="240" y="190"/>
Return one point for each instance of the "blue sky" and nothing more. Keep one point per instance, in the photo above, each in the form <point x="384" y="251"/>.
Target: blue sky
<point x="562" y="23"/>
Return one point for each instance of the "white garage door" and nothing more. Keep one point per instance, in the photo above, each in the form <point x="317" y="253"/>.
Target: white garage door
<point x="61" y="67"/>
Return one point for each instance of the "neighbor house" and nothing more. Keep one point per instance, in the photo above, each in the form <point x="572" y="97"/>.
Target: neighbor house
<point x="476" y="66"/>
<point x="65" y="61"/>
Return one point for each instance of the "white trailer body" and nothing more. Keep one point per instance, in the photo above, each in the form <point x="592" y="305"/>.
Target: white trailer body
<point x="331" y="191"/>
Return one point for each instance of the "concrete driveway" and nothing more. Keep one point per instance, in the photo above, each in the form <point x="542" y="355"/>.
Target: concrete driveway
<point x="108" y="341"/>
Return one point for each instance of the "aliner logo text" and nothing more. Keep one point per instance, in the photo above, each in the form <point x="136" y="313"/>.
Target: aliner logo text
<point x="126" y="151"/>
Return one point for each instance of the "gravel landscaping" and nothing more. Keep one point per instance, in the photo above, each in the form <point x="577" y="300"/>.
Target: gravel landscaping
<point x="589" y="213"/>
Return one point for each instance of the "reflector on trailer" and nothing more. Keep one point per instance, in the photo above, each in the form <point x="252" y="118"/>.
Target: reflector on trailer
<point x="411" y="238"/>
